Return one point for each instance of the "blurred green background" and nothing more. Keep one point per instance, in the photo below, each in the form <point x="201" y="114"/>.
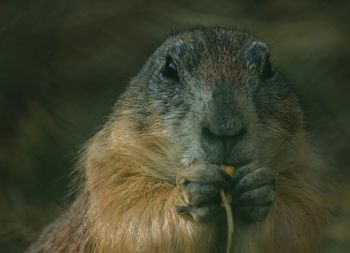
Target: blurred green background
<point x="64" y="63"/>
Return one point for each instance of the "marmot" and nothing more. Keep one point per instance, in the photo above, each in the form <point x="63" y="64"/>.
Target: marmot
<point x="151" y="176"/>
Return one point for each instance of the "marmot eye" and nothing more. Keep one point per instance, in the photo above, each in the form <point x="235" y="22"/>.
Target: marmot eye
<point x="170" y="69"/>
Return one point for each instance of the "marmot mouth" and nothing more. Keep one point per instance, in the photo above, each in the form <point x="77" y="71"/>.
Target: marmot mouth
<point x="226" y="139"/>
<point x="235" y="164"/>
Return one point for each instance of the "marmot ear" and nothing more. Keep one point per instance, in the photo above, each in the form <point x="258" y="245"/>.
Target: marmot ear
<point x="258" y="55"/>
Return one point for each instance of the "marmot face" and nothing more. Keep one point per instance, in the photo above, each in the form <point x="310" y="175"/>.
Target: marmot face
<point x="215" y="95"/>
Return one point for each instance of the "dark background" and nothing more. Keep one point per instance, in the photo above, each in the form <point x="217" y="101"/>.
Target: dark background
<point x="64" y="63"/>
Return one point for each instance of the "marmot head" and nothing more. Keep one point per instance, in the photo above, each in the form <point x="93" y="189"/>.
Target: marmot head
<point x="214" y="95"/>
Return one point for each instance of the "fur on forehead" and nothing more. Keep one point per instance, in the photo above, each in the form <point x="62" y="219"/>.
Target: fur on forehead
<point x="214" y="39"/>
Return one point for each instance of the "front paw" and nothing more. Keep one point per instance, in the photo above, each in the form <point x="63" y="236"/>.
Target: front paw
<point x="198" y="188"/>
<point x="254" y="192"/>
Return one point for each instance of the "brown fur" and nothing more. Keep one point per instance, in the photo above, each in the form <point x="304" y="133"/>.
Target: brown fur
<point x="127" y="201"/>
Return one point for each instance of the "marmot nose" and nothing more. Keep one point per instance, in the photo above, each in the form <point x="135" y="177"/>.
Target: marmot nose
<point x="225" y="135"/>
<point x="222" y="123"/>
<point x="227" y="130"/>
